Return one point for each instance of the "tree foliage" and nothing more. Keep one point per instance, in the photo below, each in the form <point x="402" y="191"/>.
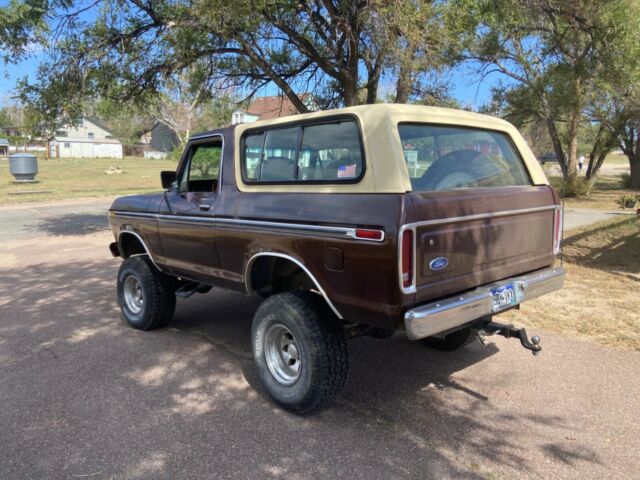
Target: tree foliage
<point x="554" y="52"/>
<point x="338" y="50"/>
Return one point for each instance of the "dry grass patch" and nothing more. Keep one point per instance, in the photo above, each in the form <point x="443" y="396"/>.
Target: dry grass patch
<point x="84" y="177"/>
<point x="601" y="297"/>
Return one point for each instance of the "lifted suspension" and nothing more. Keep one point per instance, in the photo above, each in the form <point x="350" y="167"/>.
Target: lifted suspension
<point x="509" y="331"/>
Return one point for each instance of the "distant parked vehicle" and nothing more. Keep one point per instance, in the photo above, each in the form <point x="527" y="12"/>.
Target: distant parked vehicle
<point x="547" y="157"/>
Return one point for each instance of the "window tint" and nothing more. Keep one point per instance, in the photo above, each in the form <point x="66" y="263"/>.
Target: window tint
<point x="328" y="152"/>
<point x="444" y="158"/>
<point x="202" y="169"/>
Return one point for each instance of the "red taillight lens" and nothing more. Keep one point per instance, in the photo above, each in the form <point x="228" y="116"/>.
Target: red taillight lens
<point x="369" y="234"/>
<point x="557" y="231"/>
<point x="407" y="258"/>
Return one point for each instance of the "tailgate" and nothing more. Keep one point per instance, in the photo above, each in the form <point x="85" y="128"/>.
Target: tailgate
<point x="469" y="237"/>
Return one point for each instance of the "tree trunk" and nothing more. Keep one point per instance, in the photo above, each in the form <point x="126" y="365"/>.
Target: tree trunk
<point x="634" y="164"/>
<point x="554" y="135"/>
<point x="571" y="175"/>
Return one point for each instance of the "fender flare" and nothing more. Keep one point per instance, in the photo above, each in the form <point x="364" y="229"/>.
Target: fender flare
<point x="249" y="265"/>
<point x="142" y="242"/>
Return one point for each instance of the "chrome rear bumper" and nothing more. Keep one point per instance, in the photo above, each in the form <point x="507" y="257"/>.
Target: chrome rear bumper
<point x="433" y="318"/>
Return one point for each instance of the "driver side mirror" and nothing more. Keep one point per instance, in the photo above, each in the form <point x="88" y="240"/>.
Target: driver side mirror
<point x="169" y="180"/>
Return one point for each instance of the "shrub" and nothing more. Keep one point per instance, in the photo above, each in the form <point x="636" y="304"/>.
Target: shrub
<point x="628" y="201"/>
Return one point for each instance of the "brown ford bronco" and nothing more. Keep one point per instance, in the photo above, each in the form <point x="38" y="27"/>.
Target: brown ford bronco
<point x="360" y="221"/>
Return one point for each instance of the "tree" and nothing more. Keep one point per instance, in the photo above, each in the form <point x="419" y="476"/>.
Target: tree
<point x="129" y="50"/>
<point x="553" y="51"/>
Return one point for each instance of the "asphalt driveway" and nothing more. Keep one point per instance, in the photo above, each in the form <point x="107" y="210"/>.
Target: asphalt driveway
<point x="83" y="396"/>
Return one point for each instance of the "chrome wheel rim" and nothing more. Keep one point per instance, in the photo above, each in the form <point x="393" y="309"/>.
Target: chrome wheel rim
<point x="282" y="354"/>
<point x="133" y="294"/>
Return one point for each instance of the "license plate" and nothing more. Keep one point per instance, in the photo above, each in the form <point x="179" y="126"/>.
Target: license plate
<point x="502" y="297"/>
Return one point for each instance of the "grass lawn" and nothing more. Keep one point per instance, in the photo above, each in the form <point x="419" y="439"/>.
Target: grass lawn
<point x="601" y="299"/>
<point x="604" y="195"/>
<point x="73" y="178"/>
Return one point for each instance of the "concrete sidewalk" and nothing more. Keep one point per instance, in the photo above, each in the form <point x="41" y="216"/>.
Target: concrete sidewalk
<point x="582" y="217"/>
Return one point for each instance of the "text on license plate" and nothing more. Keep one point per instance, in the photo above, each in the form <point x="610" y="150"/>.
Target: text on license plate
<point x="502" y="297"/>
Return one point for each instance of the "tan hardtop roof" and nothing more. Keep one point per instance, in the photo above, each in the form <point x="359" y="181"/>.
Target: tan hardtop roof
<point x="435" y="114"/>
<point x="386" y="169"/>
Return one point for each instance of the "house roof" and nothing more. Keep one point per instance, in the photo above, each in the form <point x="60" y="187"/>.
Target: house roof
<point x="99" y="124"/>
<point x="273" y="107"/>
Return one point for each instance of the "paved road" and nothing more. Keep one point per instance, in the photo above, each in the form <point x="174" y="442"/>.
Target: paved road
<point x="83" y="396"/>
<point x="73" y="217"/>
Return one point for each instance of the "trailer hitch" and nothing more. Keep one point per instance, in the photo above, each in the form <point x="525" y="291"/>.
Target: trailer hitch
<point x="509" y="331"/>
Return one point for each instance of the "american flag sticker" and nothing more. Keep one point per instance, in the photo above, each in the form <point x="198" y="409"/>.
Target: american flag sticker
<point x="347" y="171"/>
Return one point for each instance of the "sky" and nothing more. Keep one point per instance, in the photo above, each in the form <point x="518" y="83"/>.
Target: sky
<point x="466" y="85"/>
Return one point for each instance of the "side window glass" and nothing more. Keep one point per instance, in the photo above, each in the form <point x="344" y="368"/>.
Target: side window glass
<point x="326" y="153"/>
<point x="202" y="169"/>
<point x="330" y="152"/>
<point x="279" y="156"/>
<point x="253" y="155"/>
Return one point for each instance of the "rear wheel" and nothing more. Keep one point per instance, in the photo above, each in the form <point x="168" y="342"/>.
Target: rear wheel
<point x="300" y="351"/>
<point x="451" y="341"/>
<point x="146" y="296"/>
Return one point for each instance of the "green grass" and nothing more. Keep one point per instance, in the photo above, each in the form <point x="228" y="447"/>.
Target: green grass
<point x="76" y="178"/>
<point x="616" y="159"/>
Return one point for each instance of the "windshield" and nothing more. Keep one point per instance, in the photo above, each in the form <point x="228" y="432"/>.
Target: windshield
<point x="444" y="158"/>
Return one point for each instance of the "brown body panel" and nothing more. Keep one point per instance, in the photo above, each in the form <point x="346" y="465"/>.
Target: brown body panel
<point x="482" y="250"/>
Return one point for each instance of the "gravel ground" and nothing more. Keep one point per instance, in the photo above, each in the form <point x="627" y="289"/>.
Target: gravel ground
<point x="83" y="396"/>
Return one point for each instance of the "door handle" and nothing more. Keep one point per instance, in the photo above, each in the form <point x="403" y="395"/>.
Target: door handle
<point x="204" y="206"/>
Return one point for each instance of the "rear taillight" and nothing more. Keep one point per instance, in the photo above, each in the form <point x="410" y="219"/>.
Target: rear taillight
<point x="407" y="259"/>
<point x="557" y="231"/>
<point x="367" y="234"/>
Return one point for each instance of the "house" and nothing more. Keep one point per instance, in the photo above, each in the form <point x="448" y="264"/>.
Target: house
<point x="4" y="147"/>
<point x="159" y="140"/>
<point x="88" y="139"/>
<point x="265" y="108"/>
<point x="11" y="131"/>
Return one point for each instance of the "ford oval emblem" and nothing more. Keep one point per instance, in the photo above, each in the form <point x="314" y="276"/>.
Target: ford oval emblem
<point x="438" y="263"/>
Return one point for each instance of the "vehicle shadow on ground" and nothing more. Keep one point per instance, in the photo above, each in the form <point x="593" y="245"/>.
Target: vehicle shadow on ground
<point x="72" y="224"/>
<point x="137" y="404"/>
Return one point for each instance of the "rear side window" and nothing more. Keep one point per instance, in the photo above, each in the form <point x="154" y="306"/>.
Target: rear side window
<point x="321" y="153"/>
<point x="444" y="158"/>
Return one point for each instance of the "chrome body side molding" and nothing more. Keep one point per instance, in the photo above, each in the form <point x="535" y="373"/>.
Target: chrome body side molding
<point x="228" y="222"/>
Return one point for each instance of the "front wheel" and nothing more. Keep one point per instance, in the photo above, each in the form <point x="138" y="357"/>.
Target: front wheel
<point x="146" y="297"/>
<point x="300" y="351"/>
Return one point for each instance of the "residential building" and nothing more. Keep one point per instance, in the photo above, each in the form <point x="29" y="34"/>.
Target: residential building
<point x="88" y="139"/>
<point x="265" y="108"/>
<point x="159" y="140"/>
<point x="4" y="147"/>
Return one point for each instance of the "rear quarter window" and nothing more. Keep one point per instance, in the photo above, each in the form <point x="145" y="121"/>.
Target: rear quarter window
<point x="443" y="158"/>
<point x="313" y="153"/>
